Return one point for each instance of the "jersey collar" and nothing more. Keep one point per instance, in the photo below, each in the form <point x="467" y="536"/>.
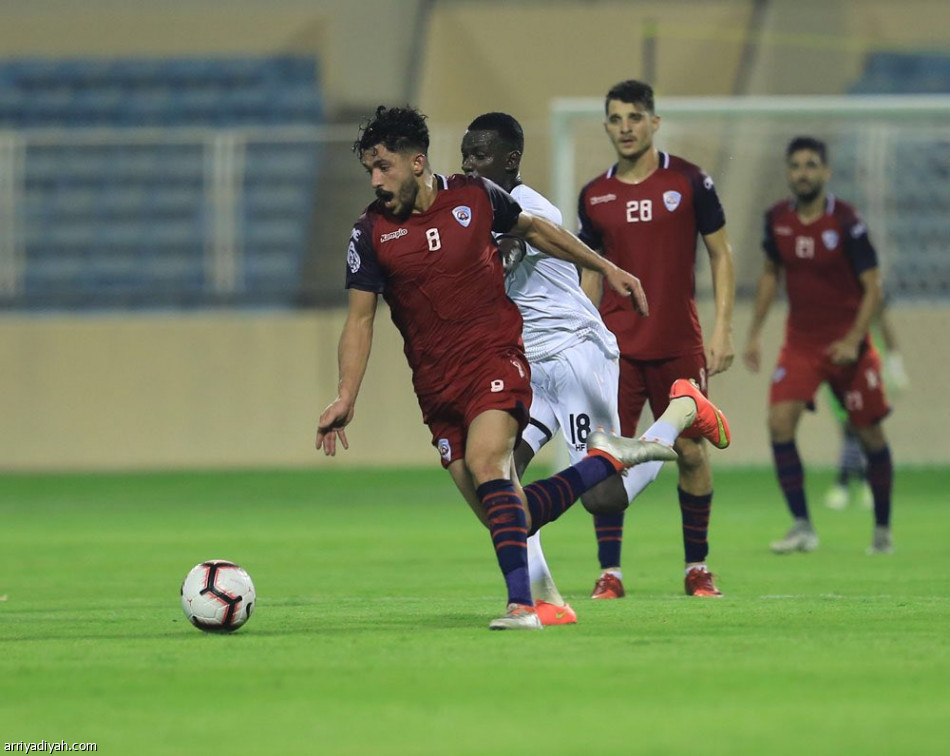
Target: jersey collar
<point x="664" y="158"/>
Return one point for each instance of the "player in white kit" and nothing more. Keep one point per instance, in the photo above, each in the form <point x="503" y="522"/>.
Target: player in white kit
<point x="573" y="356"/>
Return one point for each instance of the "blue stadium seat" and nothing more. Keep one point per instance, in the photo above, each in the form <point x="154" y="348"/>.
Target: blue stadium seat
<point x="904" y="73"/>
<point x="130" y="222"/>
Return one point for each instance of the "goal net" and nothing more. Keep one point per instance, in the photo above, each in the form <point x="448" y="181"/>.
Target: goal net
<point x="890" y="157"/>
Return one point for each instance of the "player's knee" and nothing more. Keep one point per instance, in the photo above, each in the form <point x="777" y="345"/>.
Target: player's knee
<point x="780" y="429"/>
<point x="871" y="438"/>
<point x="485" y="467"/>
<point x="608" y="497"/>
<point x="692" y="455"/>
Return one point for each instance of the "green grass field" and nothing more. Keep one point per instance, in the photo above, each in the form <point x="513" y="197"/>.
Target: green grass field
<point x="375" y="589"/>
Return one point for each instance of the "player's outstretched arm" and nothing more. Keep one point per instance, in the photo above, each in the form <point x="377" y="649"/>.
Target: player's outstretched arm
<point x="593" y="286"/>
<point x="356" y="341"/>
<point x="764" y="296"/>
<point x="720" y="349"/>
<point x="557" y="241"/>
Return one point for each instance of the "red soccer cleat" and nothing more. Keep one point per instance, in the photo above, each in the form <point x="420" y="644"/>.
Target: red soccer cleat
<point x="608" y="586"/>
<point x="709" y="419"/>
<point x="552" y="614"/>
<point x="699" y="582"/>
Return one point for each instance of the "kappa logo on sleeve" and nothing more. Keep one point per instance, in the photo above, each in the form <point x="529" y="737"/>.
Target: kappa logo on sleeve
<point x="463" y="214"/>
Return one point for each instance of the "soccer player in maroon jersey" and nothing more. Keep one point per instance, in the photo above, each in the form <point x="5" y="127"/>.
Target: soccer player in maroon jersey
<point x="834" y="288"/>
<point x="645" y="213"/>
<point x="426" y="245"/>
<point x="574" y="359"/>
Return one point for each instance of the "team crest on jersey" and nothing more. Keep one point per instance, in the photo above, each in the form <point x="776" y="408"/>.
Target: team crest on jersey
<point x="445" y="449"/>
<point x="463" y="214"/>
<point x="672" y="200"/>
<point x="830" y="238"/>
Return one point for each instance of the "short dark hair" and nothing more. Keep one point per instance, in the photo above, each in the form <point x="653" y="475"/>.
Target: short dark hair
<point x="808" y="143"/>
<point x="507" y="127"/>
<point x="397" y="129"/>
<point x="633" y="92"/>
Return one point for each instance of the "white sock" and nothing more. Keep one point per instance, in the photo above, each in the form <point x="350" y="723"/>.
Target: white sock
<point x="695" y="567"/>
<point x="679" y="413"/>
<point x="640" y="476"/>
<point x="542" y="584"/>
<point x="615" y="571"/>
<point x="663" y="430"/>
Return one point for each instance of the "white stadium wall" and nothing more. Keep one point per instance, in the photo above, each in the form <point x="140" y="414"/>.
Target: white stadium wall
<point x="234" y="390"/>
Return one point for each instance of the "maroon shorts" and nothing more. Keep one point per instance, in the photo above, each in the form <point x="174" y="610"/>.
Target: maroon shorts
<point x="499" y="381"/>
<point x="650" y="380"/>
<point x="858" y="387"/>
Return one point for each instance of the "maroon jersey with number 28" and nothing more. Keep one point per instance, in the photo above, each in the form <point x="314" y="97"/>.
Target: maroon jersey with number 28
<point x="650" y="229"/>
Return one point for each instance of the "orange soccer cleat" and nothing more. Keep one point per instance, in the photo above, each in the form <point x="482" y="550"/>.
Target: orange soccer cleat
<point x="608" y="586"/>
<point x="709" y="419"/>
<point x="699" y="582"/>
<point x="552" y="614"/>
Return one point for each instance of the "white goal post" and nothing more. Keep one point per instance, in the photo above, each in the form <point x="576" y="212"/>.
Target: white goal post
<point x="890" y="156"/>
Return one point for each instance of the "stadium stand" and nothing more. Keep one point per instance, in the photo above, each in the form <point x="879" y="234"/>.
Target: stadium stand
<point x="904" y="73"/>
<point x="109" y="217"/>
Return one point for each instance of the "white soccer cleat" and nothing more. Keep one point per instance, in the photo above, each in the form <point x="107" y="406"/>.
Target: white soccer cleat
<point x="802" y="537"/>
<point x="881" y="541"/>
<point x="517" y="617"/>
<point x="630" y="451"/>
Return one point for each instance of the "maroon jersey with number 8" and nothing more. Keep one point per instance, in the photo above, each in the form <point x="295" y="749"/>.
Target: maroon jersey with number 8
<point x="442" y="277"/>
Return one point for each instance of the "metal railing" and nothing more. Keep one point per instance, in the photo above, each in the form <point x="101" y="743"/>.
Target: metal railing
<point x="223" y="175"/>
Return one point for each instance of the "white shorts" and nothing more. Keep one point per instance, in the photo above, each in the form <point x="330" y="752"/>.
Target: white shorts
<point x="574" y="391"/>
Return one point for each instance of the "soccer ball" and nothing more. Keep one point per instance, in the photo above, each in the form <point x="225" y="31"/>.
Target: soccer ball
<point x="217" y="596"/>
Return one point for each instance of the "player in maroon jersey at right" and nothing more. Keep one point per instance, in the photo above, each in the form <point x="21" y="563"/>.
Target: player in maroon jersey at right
<point x="645" y="214"/>
<point x="834" y="289"/>
<point x="426" y="245"/>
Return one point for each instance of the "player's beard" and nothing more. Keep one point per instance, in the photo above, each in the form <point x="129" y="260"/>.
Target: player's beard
<point x="809" y="195"/>
<point x="405" y="197"/>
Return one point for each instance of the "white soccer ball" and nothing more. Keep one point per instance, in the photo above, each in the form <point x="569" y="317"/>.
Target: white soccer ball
<point x="217" y="596"/>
